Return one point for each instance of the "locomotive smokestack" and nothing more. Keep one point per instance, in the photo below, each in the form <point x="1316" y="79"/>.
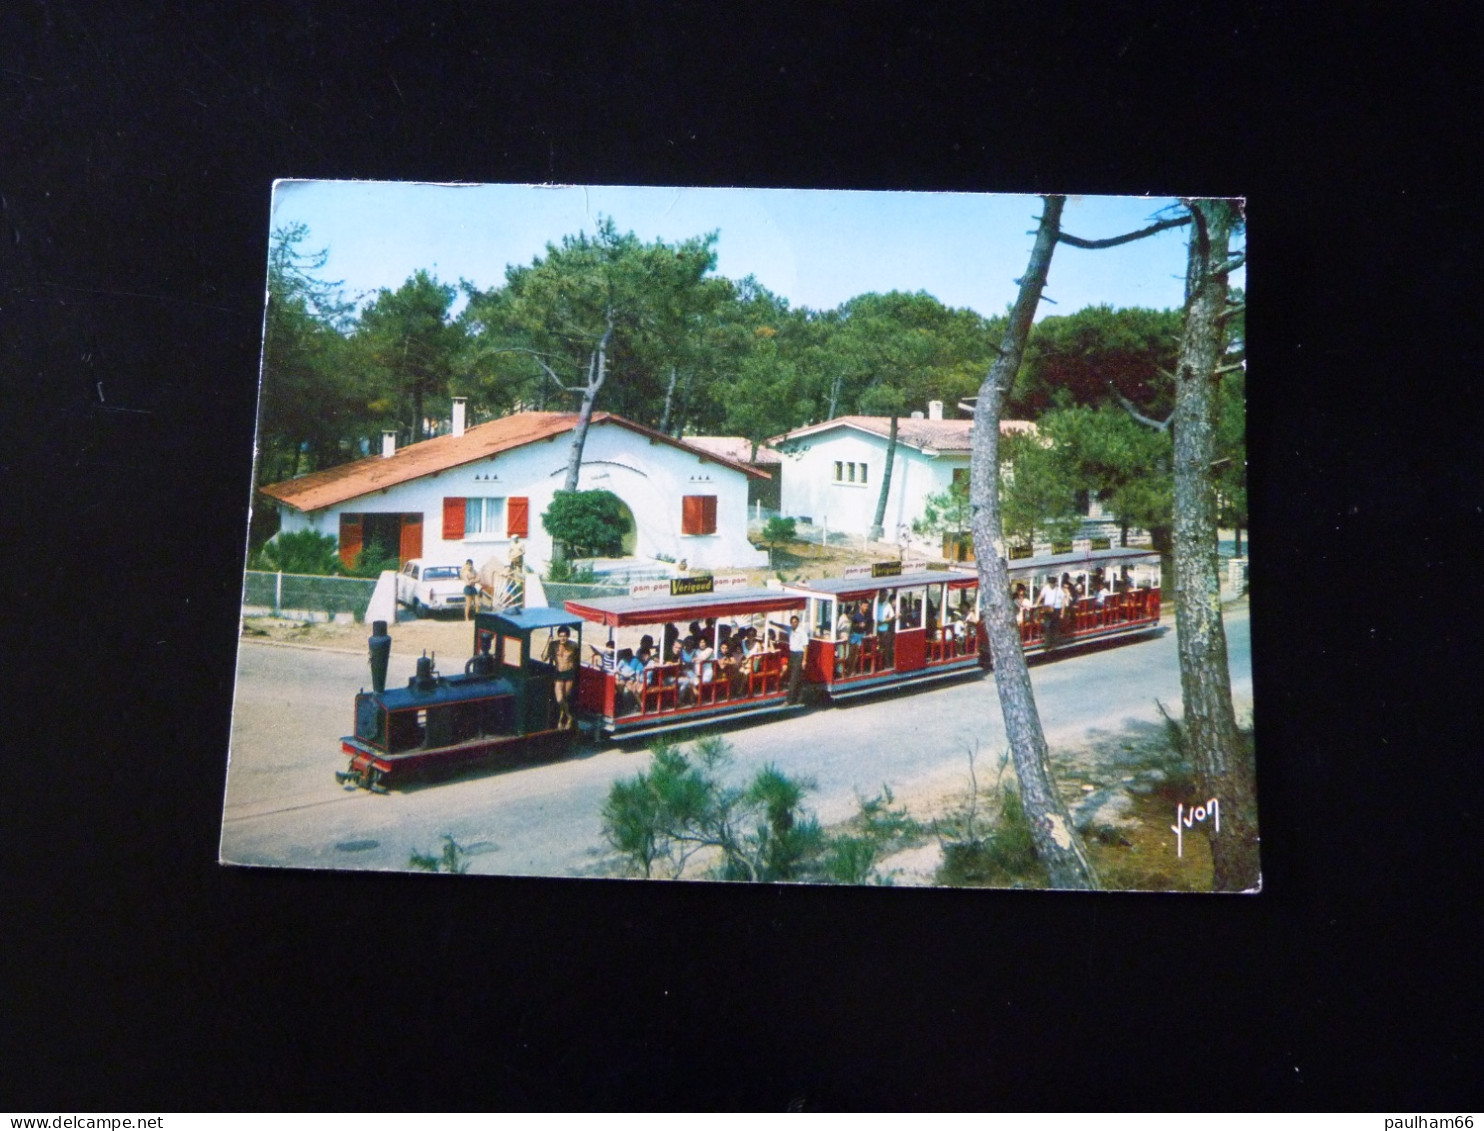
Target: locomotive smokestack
<point x="381" y="652"/>
<point x="424" y="680"/>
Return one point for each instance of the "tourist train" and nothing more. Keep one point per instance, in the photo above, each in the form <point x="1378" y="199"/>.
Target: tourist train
<point x="702" y="651"/>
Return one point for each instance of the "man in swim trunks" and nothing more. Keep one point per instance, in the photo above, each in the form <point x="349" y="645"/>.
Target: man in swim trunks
<point x="562" y="654"/>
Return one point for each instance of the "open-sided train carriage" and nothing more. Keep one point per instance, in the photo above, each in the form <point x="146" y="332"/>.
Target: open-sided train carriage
<point x="1130" y="607"/>
<point x="670" y="694"/>
<point x="934" y="632"/>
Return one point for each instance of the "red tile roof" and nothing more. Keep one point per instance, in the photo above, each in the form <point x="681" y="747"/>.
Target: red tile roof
<point x="320" y="489"/>
<point x="940" y="435"/>
<point x="736" y="448"/>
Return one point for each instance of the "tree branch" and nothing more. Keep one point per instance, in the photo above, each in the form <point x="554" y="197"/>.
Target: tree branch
<point x="1132" y="410"/>
<point x="1127" y="237"/>
<point x="1230" y="265"/>
<point x="1234" y="367"/>
<point x="540" y="360"/>
<point x="1232" y="311"/>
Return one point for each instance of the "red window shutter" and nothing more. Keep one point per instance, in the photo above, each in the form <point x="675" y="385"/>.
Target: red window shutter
<point x="453" y="520"/>
<point x="350" y="539"/>
<point x="698" y="514"/>
<point x="518" y="517"/>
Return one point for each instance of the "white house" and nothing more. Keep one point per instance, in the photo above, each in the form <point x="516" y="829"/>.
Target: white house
<point x="465" y="494"/>
<point x="760" y="457"/>
<point x="832" y="471"/>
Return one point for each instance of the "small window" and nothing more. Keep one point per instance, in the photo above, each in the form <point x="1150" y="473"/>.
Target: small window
<point x="839" y="472"/>
<point x="863" y="473"/>
<point x="850" y="473"/>
<point x="484" y="516"/>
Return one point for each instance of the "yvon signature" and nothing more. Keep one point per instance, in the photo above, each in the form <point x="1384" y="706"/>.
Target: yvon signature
<point x="1189" y="818"/>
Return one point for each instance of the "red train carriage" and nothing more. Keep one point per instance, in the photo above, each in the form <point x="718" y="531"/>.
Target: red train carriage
<point x="1121" y="596"/>
<point x="890" y="624"/>
<point x="743" y="674"/>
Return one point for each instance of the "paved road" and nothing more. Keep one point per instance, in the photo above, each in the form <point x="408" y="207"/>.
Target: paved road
<point x="284" y="808"/>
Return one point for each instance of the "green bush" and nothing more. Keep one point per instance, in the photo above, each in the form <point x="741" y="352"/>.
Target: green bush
<point x="565" y="571"/>
<point x="588" y="523"/>
<point x="778" y="530"/>
<point x="373" y="559"/>
<point x="303" y="551"/>
<point x="681" y="811"/>
<point x="980" y="851"/>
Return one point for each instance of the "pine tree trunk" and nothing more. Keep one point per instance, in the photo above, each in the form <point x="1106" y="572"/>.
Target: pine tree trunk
<point x="597" y="374"/>
<point x="1223" y="767"/>
<point x="878" y="527"/>
<point x="669" y="400"/>
<point x="1057" y="845"/>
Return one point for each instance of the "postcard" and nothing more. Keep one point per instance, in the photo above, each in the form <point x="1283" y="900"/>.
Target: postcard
<point x="744" y="535"/>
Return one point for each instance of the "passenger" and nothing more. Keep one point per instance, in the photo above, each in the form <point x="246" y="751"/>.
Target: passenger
<point x="705" y="662"/>
<point x="562" y="654"/>
<point x="842" y="642"/>
<point x="886" y="619"/>
<point x="798" y="647"/>
<point x="1051" y="602"/>
<point x="685" y="680"/>
<point x="638" y="668"/>
<point x="733" y="669"/>
<point x="669" y="638"/>
<point x="606" y="658"/>
<point x="1100" y="592"/>
<point x="860" y="627"/>
<point x="1022" y="602"/>
<point x="630" y="681"/>
<point x="470" y="577"/>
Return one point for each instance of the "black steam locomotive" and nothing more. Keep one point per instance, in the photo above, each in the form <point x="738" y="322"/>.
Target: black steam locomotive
<point x="502" y="708"/>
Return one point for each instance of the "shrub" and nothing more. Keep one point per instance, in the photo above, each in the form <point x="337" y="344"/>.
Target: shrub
<point x="565" y="571"/>
<point x="681" y="810"/>
<point x="778" y="530"/>
<point x="373" y="559"/>
<point x="587" y="522"/>
<point x="979" y="851"/>
<point x="303" y="551"/>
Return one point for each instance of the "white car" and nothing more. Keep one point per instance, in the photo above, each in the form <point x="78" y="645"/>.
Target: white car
<point x="428" y="587"/>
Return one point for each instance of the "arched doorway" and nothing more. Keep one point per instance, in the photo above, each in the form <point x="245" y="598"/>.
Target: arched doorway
<point x="630" y="531"/>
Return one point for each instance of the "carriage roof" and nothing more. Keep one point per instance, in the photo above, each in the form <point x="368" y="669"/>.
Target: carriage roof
<point x="617" y="612"/>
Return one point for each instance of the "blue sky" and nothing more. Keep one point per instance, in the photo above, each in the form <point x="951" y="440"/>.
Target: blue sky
<point x="816" y="248"/>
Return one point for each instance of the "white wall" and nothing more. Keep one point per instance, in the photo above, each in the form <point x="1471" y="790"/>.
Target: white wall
<point x="649" y="476"/>
<point x="809" y="487"/>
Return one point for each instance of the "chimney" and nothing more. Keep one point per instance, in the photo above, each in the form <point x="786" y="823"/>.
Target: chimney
<point x="458" y="415"/>
<point x="935" y="410"/>
<point x="388" y="443"/>
<point x="917" y="414"/>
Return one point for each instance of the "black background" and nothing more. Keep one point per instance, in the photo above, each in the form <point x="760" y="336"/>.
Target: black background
<point x="138" y="144"/>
